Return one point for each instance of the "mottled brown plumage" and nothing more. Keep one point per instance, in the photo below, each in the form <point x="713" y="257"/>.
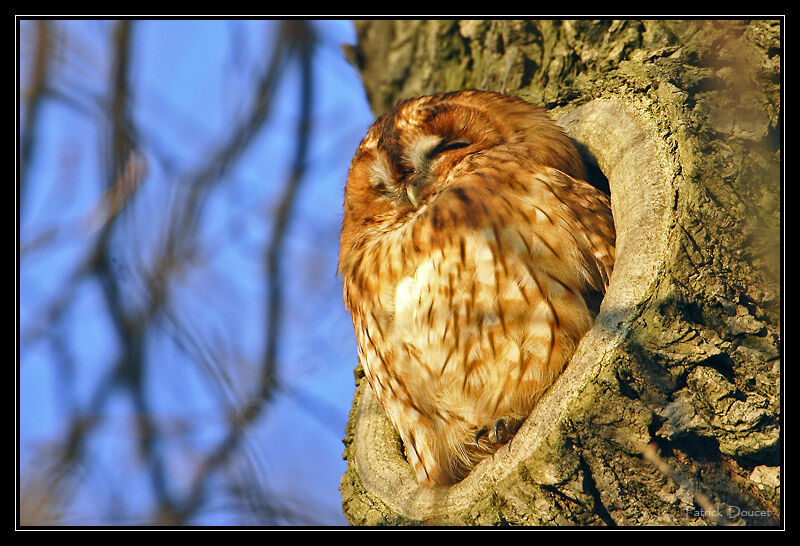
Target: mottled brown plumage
<point x="472" y="254"/>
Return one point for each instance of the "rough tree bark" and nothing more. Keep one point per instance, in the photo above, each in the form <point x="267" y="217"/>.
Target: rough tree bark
<point x="670" y="411"/>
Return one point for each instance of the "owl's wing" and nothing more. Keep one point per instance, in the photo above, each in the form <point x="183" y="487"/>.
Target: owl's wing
<point x="578" y="220"/>
<point x="592" y="215"/>
<point x="569" y="220"/>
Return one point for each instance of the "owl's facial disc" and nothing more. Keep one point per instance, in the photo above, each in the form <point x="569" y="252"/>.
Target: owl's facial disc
<point x="421" y="154"/>
<point x="405" y="165"/>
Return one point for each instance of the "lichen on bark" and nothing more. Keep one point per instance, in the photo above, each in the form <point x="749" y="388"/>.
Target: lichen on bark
<point x="669" y="414"/>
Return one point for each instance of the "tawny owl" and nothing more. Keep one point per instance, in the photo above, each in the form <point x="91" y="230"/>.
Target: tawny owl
<point x="473" y="256"/>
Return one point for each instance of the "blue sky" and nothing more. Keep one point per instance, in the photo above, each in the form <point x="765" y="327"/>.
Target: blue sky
<point x="190" y="82"/>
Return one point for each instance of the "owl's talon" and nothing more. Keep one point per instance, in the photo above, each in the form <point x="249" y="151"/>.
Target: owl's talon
<point x="480" y="434"/>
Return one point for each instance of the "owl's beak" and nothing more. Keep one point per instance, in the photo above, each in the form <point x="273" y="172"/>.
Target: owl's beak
<point x="413" y="195"/>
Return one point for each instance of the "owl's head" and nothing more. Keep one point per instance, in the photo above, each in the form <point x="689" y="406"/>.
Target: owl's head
<point x="419" y="147"/>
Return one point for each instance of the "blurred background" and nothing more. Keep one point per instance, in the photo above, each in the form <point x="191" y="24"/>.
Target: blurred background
<point x="185" y="357"/>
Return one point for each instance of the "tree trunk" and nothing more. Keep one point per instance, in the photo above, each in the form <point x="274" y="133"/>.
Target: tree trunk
<point x="669" y="412"/>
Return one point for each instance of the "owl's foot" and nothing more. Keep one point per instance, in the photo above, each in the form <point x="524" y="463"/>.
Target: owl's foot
<point x="501" y="433"/>
<point x="503" y="430"/>
<point x="480" y="434"/>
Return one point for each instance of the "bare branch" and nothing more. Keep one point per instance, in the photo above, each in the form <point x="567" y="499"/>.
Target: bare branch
<point x="33" y="100"/>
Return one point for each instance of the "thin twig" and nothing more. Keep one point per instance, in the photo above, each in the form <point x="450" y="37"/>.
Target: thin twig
<point x="34" y="95"/>
<point x="300" y="33"/>
<point x="650" y="454"/>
